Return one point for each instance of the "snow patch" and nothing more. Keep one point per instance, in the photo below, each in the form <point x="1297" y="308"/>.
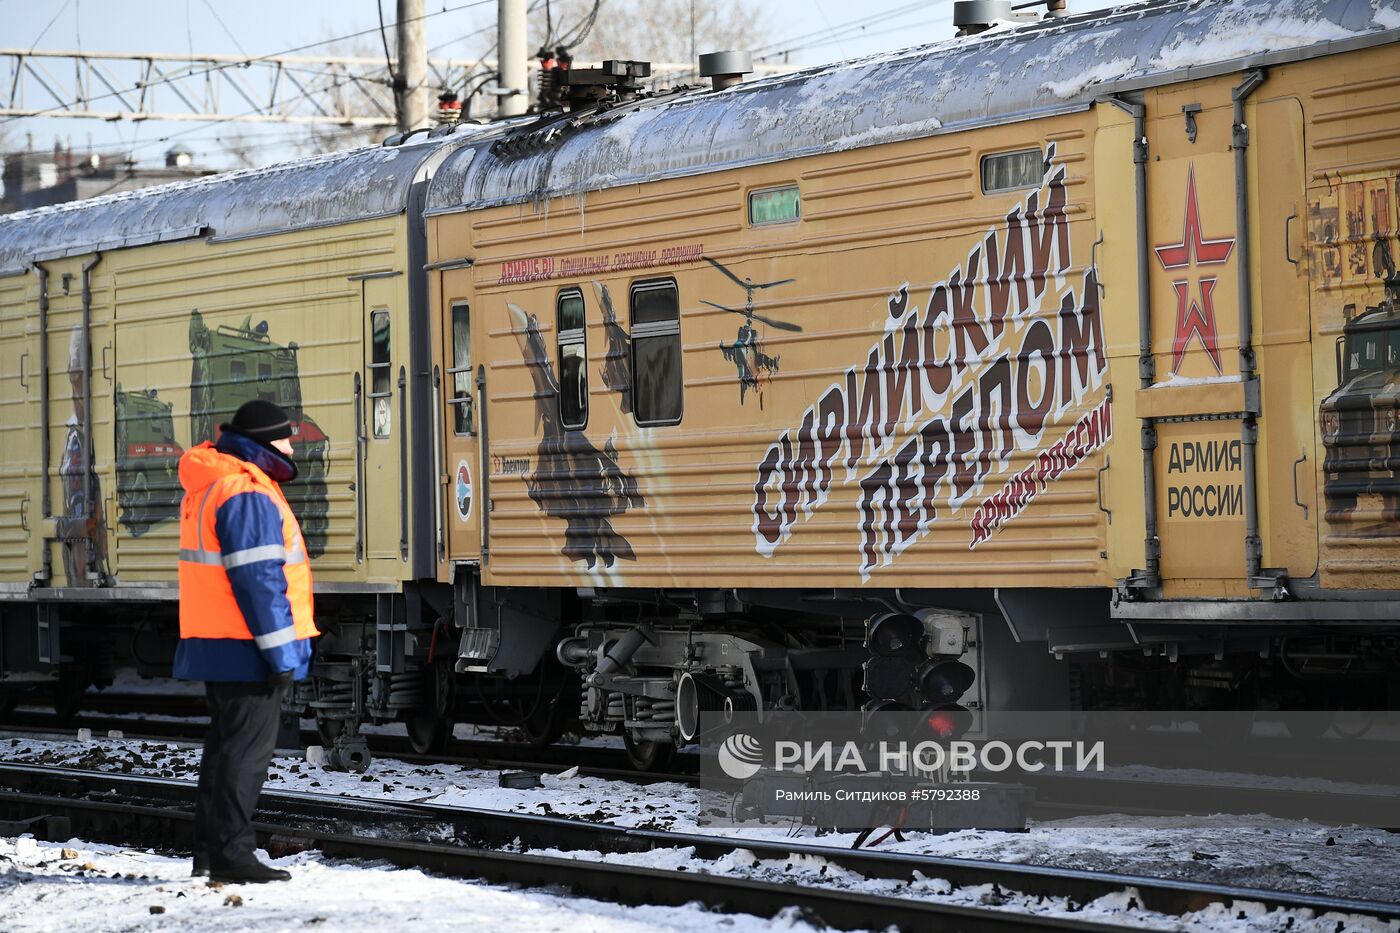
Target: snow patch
<point x="1105" y="71"/>
<point x="1238" y="36"/>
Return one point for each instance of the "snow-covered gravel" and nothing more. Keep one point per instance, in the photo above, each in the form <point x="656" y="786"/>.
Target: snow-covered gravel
<point x="103" y="888"/>
<point x="1248" y="851"/>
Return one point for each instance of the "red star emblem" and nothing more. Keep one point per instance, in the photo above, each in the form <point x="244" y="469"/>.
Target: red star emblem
<point x="1194" y="318"/>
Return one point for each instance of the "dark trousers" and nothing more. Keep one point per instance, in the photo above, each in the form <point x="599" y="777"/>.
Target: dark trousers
<point x="243" y="721"/>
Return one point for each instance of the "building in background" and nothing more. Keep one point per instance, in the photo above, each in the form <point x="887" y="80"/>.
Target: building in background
<point x="41" y="178"/>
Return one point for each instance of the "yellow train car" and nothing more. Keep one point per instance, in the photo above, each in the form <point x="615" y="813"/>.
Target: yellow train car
<point x="1037" y="324"/>
<point x="1053" y="363"/>
<point x="131" y="326"/>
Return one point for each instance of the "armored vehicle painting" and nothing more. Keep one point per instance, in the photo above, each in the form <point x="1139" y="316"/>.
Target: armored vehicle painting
<point x="233" y="365"/>
<point x="1359" y="419"/>
<point x="148" y="487"/>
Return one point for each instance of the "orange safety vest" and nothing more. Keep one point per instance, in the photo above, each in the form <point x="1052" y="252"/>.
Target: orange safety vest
<point x="207" y="605"/>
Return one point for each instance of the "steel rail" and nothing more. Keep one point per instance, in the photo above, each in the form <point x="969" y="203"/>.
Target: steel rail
<point x="487" y="829"/>
<point x="116" y="821"/>
<point x="1057" y="796"/>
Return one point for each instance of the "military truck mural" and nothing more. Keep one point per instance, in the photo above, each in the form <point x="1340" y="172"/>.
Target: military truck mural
<point x="148" y="458"/>
<point x="233" y="365"/>
<point x="1361" y="417"/>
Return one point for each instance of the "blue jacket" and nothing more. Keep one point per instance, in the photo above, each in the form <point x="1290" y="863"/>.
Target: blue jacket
<point x="246" y="543"/>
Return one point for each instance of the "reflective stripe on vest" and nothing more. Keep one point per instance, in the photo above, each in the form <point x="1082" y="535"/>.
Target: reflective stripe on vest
<point x="201" y="555"/>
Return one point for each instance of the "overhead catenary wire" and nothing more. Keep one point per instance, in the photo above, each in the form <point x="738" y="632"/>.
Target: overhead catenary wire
<point x="838" y="32"/>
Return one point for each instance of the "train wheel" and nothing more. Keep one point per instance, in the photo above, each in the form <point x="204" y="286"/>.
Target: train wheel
<point x="646" y="755"/>
<point x="428" y="734"/>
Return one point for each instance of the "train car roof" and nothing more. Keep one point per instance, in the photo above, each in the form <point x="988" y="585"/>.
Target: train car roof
<point x="1007" y="74"/>
<point x="342" y="187"/>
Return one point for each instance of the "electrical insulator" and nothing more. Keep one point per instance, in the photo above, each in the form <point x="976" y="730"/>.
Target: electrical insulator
<point x="449" y="107"/>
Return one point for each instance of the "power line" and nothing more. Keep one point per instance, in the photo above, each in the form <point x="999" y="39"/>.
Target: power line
<point x="189" y="73"/>
<point x="46" y="29"/>
<point x="844" y="29"/>
<point x="228" y="32"/>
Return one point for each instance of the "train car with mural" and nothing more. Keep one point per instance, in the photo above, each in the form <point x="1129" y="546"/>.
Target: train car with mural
<point x="1049" y="364"/>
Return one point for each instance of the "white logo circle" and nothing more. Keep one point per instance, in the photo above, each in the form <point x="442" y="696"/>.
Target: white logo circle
<point x="740" y="756"/>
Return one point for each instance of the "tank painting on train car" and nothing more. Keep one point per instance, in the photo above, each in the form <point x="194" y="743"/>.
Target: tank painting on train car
<point x="573" y="480"/>
<point x="1355" y="245"/>
<point x="233" y="365"/>
<point x="752" y="364"/>
<point x="148" y="457"/>
<point x="1005" y="354"/>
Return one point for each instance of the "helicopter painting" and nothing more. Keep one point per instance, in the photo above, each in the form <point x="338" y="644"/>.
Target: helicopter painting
<point x="754" y="366"/>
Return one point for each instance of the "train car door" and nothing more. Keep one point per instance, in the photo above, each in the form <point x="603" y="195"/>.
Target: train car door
<point x="461" y="423"/>
<point x="383" y="502"/>
<point x="1199" y="403"/>
<point x="1288" y="423"/>
<point x="19" y="394"/>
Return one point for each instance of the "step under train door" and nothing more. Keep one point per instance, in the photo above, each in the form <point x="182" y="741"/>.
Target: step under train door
<point x="1226" y="436"/>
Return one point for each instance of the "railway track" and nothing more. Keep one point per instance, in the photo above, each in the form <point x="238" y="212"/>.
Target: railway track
<point x="1056" y="796"/>
<point x="503" y="847"/>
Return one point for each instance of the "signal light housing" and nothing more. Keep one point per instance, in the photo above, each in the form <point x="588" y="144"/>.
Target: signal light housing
<point x="894" y="633"/>
<point x="945" y="681"/>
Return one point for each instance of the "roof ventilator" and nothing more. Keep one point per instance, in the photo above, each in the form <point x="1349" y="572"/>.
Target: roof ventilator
<point x="974" y="16"/>
<point x="725" y="69"/>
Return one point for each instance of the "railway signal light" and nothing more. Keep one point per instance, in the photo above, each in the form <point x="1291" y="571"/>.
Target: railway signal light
<point x="943" y="682"/>
<point x="947" y="722"/>
<point x="889" y="678"/>
<point x="894" y="633"/>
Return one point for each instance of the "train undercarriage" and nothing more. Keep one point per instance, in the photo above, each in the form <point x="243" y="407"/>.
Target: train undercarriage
<point x="648" y="666"/>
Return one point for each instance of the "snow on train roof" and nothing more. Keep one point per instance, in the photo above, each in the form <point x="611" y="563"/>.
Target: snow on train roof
<point x="1009" y="73"/>
<point x="357" y="184"/>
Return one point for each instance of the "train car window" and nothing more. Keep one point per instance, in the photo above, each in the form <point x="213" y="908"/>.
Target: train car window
<point x="657" y="386"/>
<point x="461" y="371"/>
<point x="380" y="376"/>
<point x="237" y="370"/>
<point x="1006" y="171"/>
<point x="573" y="360"/>
<point x="775" y="206"/>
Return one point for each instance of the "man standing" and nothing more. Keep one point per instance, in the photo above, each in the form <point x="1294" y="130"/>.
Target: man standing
<point x="245" y="623"/>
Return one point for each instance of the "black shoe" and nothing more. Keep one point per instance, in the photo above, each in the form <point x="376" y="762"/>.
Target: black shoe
<point x="201" y="866"/>
<point x="248" y="873"/>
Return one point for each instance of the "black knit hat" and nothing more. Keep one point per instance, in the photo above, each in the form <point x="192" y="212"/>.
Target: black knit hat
<point x="262" y="421"/>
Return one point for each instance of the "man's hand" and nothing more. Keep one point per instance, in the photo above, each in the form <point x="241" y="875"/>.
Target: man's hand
<point x="280" y="679"/>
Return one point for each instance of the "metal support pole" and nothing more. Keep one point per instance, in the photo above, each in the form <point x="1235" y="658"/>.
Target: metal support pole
<point x="410" y="87"/>
<point x="90" y="503"/>
<point x="511" y="79"/>
<point x="1147" y="362"/>
<point x="45" y="453"/>
<point x="1249" y="428"/>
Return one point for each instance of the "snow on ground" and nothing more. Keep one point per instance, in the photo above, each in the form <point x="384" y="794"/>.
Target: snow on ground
<point x="104" y="888"/>
<point x="1242" y="850"/>
<point x="126" y="680"/>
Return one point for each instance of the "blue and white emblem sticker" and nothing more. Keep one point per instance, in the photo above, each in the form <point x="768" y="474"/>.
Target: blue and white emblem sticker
<point x="464" y="490"/>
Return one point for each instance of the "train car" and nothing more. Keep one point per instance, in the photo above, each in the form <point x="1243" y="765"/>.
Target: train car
<point x="893" y="381"/>
<point x="301" y="284"/>
<point x="1045" y="365"/>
